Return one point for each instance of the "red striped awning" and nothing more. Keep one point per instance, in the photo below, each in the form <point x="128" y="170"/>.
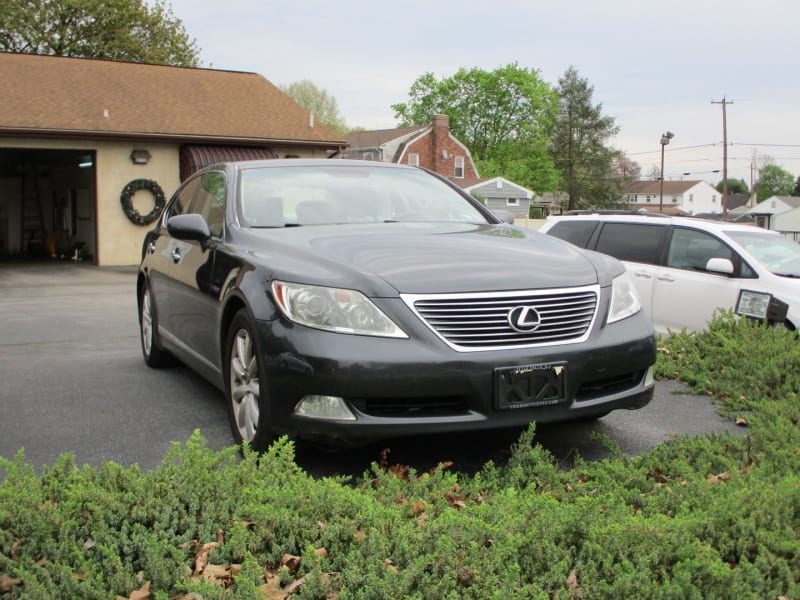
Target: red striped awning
<point x="194" y="158"/>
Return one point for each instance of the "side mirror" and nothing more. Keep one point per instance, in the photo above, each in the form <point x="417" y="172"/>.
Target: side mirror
<point x="720" y="265"/>
<point x="505" y="216"/>
<point x="189" y="227"/>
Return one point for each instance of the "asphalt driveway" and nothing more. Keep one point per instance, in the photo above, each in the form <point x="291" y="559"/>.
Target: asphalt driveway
<point x="72" y="380"/>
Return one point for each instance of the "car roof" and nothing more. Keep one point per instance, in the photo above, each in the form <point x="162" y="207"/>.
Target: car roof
<point x="309" y="162"/>
<point x="659" y="219"/>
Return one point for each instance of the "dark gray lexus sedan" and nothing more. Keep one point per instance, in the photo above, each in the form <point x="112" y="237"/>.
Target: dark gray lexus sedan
<point x="344" y="301"/>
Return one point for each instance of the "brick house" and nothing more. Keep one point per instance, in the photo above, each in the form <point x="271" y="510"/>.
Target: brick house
<point x="429" y="146"/>
<point x="74" y="133"/>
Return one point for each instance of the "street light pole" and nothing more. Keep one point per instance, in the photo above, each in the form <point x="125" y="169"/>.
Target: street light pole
<point x="665" y="138"/>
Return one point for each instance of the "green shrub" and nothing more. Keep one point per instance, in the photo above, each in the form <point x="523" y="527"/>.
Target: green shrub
<point x="696" y="517"/>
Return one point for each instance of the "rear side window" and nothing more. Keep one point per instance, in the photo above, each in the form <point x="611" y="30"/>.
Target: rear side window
<point x="632" y="242"/>
<point x="575" y="232"/>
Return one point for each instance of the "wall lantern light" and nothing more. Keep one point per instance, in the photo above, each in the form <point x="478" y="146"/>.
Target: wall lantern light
<point x="140" y="157"/>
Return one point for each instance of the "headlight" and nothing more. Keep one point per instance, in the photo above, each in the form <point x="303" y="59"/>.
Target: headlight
<point x="333" y="309"/>
<point x="624" y="299"/>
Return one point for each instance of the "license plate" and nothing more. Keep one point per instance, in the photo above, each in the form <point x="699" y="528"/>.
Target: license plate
<point x="529" y="385"/>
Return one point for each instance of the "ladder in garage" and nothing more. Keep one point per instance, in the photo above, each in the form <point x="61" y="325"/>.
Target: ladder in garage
<point x="33" y="231"/>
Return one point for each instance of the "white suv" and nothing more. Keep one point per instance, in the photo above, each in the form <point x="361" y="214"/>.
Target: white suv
<point x="685" y="268"/>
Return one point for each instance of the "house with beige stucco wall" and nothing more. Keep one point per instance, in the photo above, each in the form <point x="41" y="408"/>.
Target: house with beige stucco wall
<point x="82" y="139"/>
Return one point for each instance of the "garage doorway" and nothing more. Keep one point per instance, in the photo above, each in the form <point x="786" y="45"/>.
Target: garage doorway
<point x="47" y="204"/>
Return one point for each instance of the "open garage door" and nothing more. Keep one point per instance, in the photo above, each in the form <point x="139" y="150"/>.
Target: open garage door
<point x="47" y="203"/>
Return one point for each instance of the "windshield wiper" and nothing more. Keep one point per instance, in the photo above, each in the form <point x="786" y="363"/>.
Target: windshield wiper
<point x="276" y="226"/>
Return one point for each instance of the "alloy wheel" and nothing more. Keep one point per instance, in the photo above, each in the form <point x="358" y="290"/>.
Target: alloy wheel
<point x="244" y="385"/>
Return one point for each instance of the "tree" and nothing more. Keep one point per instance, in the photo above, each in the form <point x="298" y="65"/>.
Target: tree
<point x="318" y="102"/>
<point x="796" y="191"/>
<point x="624" y="169"/>
<point x="774" y="181"/>
<point x="578" y="145"/>
<point x="122" y="30"/>
<point x="735" y="186"/>
<point x="653" y="173"/>
<point x="504" y="117"/>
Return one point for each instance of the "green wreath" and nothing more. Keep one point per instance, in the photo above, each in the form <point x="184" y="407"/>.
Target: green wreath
<point x="142" y="184"/>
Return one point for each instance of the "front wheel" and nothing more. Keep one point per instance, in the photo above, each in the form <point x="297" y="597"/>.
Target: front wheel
<point x="248" y="408"/>
<point x="154" y="355"/>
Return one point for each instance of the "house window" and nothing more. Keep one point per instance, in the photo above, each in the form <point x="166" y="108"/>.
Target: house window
<point x="368" y="156"/>
<point x="459" y="170"/>
<point x="713" y="199"/>
<point x="413" y="159"/>
<point x="647" y="199"/>
<point x="674" y="199"/>
<point x="512" y="201"/>
<point x="691" y="197"/>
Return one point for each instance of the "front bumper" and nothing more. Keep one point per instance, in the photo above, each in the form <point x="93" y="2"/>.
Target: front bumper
<point x="399" y="387"/>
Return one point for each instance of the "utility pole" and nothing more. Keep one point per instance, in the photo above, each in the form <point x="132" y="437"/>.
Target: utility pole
<point x="724" y="103"/>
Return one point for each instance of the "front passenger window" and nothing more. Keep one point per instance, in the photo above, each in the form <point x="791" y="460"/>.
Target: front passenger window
<point x="690" y="249"/>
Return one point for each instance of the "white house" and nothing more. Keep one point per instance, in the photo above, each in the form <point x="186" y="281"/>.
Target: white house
<point x="779" y="213"/>
<point x="686" y="197"/>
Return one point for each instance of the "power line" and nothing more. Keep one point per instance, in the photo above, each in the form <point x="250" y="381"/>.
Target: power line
<point x="671" y="150"/>
<point x="771" y="145"/>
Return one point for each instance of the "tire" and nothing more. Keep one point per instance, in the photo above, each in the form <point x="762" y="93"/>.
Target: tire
<point x="246" y="399"/>
<point x="154" y="355"/>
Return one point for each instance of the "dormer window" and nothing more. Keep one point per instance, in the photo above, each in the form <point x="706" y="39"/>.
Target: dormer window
<point x="413" y="159"/>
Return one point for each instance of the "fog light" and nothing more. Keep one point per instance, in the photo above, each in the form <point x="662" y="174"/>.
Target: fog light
<point x="324" y="407"/>
<point x="649" y="379"/>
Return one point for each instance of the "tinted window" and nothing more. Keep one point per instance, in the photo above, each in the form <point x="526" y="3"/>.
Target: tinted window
<point x="182" y="199"/>
<point x="632" y="241"/>
<point x="210" y="201"/>
<point x="575" y="232"/>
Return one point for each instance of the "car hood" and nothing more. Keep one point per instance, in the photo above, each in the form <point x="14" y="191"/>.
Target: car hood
<point x="417" y="258"/>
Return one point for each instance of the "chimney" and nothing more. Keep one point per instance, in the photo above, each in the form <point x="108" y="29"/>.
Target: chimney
<point x="441" y="131"/>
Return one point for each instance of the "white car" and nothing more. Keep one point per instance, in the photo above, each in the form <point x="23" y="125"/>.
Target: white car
<point x="685" y="268"/>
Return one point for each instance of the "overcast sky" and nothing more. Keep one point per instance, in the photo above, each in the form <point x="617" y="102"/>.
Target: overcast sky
<point x="655" y="67"/>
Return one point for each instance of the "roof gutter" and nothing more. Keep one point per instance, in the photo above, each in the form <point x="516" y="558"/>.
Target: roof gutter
<point x="165" y="137"/>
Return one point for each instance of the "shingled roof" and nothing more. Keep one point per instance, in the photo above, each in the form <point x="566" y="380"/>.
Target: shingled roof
<point x="52" y="95"/>
<point x="378" y="137"/>
<point x="654" y="187"/>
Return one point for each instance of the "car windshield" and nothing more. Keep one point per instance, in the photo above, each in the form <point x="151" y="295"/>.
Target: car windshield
<point x="317" y="195"/>
<point x="777" y="253"/>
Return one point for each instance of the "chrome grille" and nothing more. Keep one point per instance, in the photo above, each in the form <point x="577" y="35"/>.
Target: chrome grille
<point x="481" y="321"/>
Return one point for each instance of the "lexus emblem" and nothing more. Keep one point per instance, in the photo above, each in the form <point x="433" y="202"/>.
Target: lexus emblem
<point x="524" y="319"/>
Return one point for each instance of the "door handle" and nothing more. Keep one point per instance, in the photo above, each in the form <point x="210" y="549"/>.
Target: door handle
<point x="665" y="277"/>
<point x="643" y="274"/>
<point x="176" y="255"/>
